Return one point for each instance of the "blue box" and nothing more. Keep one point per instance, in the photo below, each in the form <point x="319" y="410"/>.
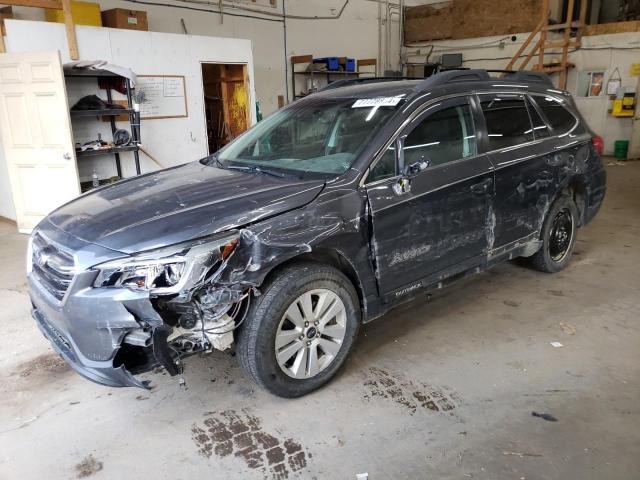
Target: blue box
<point x="332" y="63"/>
<point x="350" y="65"/>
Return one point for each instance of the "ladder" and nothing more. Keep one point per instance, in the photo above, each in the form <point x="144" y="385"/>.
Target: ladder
<point x="541" y="42"/>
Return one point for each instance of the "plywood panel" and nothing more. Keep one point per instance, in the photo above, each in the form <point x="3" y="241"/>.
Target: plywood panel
<point x="471" y="19"/>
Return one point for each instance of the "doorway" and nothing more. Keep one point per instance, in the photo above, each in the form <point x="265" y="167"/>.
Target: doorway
<point x="226" y="102"/>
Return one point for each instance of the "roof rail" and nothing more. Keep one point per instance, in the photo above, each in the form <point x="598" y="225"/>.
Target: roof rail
<point x="529" y="76"/>
<point x="451" y="76"/>
<point x="360" y="81"/>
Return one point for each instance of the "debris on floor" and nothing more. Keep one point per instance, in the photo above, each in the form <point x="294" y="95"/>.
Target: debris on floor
<point x="545" y="416"/>
<point x="88" y="466"/>
<point x="556" y="344"/>
<point x="522" y="454"/>
<point x="568" y="328"/>
<point x="362" y="476"/>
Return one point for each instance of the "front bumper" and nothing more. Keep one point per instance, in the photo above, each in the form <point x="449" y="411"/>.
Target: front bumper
<point x="103" y="373"/>
<point x="88" y="326"/>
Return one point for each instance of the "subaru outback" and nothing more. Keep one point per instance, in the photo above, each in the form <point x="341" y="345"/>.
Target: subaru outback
<point x="320" y="218"/>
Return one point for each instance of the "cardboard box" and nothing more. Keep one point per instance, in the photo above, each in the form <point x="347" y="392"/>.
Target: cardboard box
<point x="83" y="13"/>
<point x="123" y="18"/>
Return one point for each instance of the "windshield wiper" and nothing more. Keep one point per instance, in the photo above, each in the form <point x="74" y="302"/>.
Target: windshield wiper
<point x="251" y="169"/>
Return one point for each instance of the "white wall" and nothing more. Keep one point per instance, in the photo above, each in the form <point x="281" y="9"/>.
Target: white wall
<point x="172" y="141"/>
<point x="354" y="34"/>
<point x="604" y="52"/>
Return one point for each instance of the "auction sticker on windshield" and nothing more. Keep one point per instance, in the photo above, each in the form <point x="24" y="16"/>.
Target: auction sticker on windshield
<point x="377" y="102"/>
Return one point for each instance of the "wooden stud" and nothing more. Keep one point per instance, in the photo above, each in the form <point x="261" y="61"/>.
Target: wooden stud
<point x="565" y="48"/>
<point x="280" y="101"/>
<point x="70" y="27"/>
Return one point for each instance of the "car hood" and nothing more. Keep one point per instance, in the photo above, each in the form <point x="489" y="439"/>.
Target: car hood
<point x="179" y="204"/>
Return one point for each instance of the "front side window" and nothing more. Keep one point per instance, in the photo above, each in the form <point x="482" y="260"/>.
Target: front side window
<point x="507" y="121"/>
<point x="386" y="166"/>
<point x="560" y="119"/>
<point x="323" y="136"/>
<point x="441" y="137"/>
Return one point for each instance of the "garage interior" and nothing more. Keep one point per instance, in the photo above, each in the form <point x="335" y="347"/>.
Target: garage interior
<point x="509" y="374"/>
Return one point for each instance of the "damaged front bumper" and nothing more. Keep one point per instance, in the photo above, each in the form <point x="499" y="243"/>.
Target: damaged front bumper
<point x="109" y="334"/>
<point x="103" y="373"/>
<point x="88" y="328"/>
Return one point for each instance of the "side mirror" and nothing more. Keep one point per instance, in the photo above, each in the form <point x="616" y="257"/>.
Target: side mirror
<point x="417" y="167"/>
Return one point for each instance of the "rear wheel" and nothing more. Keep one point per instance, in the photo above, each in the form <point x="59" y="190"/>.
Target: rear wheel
<point x="299" y="332"/>
<point x="558" y="237"/>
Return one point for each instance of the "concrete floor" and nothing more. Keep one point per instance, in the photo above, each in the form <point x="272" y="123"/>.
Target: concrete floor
<point x="440" y="389"/>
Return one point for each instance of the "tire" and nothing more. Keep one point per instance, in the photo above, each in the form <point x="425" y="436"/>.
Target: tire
<point x="279" y="315"/>
<point x="556" y="250"/>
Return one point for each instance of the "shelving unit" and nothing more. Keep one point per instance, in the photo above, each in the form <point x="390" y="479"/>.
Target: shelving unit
<point x="326" y="75"/>
<point x="134" y="118"/>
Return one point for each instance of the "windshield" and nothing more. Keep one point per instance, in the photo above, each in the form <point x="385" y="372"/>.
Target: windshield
<point x="323" y="136"/>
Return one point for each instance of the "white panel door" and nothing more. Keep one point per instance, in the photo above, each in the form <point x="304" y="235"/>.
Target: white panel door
<point x="36" y="135"/>
<point x="634" y="145"/>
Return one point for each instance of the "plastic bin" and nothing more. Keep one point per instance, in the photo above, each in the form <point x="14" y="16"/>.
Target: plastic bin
<point x="332" y="63"/>
<point x="620" y="149"/>
<point x="350" y="65"/>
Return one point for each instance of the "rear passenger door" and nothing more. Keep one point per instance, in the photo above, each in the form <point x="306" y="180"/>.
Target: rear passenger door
<point x="521" y="149"/>
<point x="431" y="222"/>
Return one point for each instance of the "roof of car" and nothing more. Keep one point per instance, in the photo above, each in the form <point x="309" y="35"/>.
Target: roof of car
<point x="459" y="79"/>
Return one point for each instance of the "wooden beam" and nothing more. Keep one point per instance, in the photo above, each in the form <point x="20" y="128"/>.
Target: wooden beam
<point x="71" y="30"/>
<point x="55" y="4"/>
<point x="565" y="48"/>
<point x="581" y="20"/>
<point x="526" y="44"/>
<point x="616" y="27"/>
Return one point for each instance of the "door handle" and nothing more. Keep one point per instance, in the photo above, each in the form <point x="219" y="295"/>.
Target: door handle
<point x="482" y="187"/>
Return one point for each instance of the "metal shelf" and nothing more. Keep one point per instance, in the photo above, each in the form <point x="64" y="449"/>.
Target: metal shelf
<point x="89" y="73"/>
<point x="111" y="114"/>
<point x="102" y="113"/>
<point x="106" y="151"/>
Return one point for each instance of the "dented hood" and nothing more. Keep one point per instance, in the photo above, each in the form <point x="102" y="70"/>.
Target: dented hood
<point x="179" y="204"/>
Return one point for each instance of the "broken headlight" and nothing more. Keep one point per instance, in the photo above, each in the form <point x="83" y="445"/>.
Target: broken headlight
<point x="167" y="270"/>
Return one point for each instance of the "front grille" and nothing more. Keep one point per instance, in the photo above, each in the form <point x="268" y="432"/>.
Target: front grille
<point x="53" y="267"/>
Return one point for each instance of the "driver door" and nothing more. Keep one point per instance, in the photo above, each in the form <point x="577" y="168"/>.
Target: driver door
<point x="431" y="198"/>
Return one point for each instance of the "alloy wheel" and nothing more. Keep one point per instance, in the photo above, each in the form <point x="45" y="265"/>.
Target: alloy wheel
<point x="310" y="333"/>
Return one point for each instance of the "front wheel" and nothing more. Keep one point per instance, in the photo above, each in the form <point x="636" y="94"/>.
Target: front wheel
<point x="299" y="332"/>
<point x="558" y="237"/>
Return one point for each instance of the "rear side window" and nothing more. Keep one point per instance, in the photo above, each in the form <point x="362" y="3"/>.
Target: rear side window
<point x="540" y="129"/>
<point x="507" y="121"/>
<point x="560" y="119"/>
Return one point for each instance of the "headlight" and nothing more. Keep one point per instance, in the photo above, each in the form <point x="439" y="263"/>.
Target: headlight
<point x="167" y="270"/>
